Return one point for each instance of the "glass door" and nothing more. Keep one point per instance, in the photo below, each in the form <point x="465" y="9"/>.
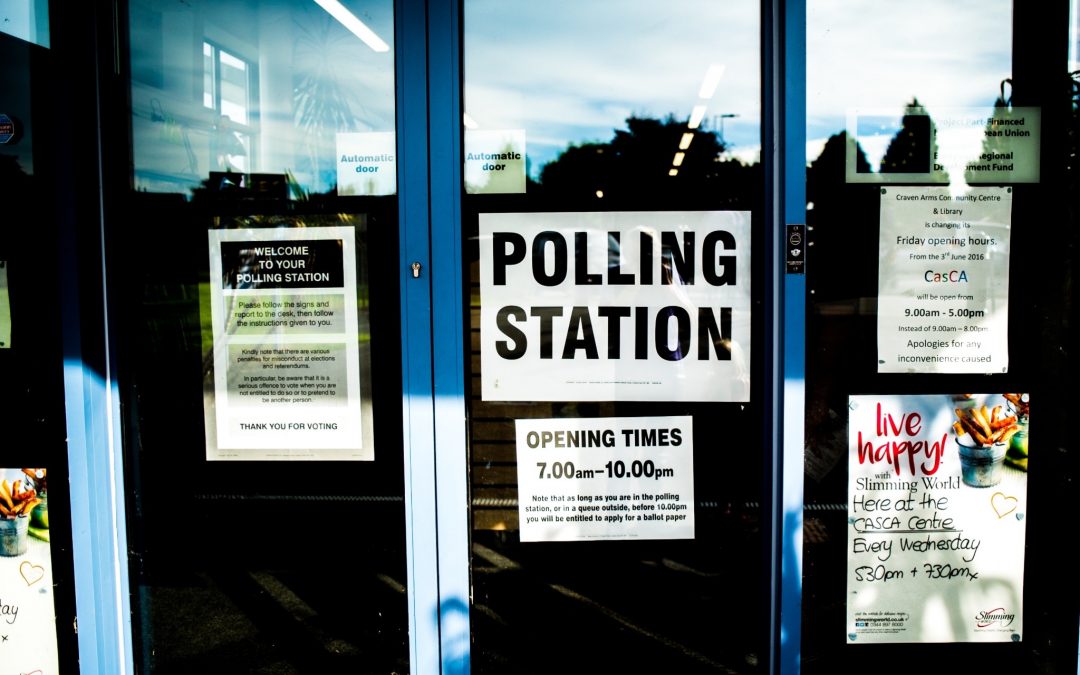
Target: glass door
<point x="939" y="139"/>
<point x="614" y="228"/>
<point x="254" y="256"/>
<point x="37" y="603"/>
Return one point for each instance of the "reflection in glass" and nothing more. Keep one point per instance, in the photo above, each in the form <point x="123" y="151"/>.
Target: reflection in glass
<point x="267" y="87"/>
<point x="570" y="82"/>
<point x="896" y="94"/>
<point x="616" y="108"/>
<point x="260" y="116"/>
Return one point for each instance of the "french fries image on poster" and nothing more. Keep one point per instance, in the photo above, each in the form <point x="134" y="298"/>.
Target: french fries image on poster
<point x="27" y="608"/>
<point x="936" y="519"/>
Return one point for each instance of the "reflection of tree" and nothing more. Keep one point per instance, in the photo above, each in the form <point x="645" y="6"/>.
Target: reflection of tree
<point x="501" y="182"/>
<point x="634" y="166"/>
<point x="912" y="147"/>
<point x="994" y="145"/>
<point x="12" y="175"/>
<point x="842" y="276"/>
<point x="322" y="94"/>
<point x="843" y="217"/>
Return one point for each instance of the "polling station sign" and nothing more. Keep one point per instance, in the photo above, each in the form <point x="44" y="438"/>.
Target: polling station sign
<point x="615" y="306"/>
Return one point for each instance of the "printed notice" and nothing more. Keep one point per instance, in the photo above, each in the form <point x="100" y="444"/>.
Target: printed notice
<point x="494" y="161"/>
<point x="633" y="306"/>
<point x="958" y="146"/>
<point x="27" y="603"/>
<point x="943" y="280"/>
<point x="286" y="364"/>
<point x="605" y="478"/>
<point x="367" y="163"/>
<point x="937" y="500"/>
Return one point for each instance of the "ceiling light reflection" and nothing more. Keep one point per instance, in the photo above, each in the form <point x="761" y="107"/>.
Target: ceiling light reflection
<point x="684" y="143"/>
<point x="679" y="156"/>
<point x="696" y="115"/>
<point x="712" y="78"/>
<point x="355" y="25"/>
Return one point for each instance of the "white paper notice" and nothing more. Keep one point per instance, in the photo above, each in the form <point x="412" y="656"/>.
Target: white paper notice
<point x="367" y="163"/>
<point x="958" y="146"/>
<point x="641" y="306"/>
<point x="494" y="161"/>
<point x="27" y="602"/>
<point x="943" y="281"/>
<point x="606" y="478"/>
<point x="286" y="362"/>
<point x="936" y="518"/>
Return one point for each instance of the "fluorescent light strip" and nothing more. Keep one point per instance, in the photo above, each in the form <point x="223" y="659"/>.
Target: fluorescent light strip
<point x="355" y="25"/>
<point x="679" y="156"/>
<point x="673" y="172"/>
<point x="684" y="143"/>
<point x="696" y="115"/>
<point x="712" y="78"/>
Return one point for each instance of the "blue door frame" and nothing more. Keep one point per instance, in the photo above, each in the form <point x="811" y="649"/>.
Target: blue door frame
<point x="436" y="498"/>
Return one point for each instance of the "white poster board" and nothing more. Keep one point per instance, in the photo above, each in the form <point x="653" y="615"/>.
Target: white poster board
<point x="943" y="280"/>
<point x="286" y="363"/>
<point x="27" y="595"/>
<point x="936" y="520"/>
<point x="615" y="306"/>
<point x="605" y="478"/>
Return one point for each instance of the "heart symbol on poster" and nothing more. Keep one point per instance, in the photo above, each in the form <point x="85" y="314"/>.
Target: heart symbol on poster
<point x="31" y="573"/>
<point x="1001" y="502"/>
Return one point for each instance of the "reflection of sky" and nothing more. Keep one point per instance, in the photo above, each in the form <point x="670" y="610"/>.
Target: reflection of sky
<point x="291" y="50"/>
<point x="881" y="55"/>
<point x="572" y="72"/>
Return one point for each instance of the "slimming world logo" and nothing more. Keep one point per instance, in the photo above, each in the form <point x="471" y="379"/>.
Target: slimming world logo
<point x="988" y="618"/>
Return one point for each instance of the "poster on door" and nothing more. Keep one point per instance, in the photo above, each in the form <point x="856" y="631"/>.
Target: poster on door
<point x="943" y="280"/>
<point x="615" y="306"/>
<point x="286" y="372"/>
<point x="937" y="507"/>
<point x="953" y="145"/>
<point x="27" y="603"/>
<point x="583" y="479"/>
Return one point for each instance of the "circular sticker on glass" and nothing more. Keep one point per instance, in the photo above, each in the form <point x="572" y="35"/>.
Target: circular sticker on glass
<point x="7" y="128"/>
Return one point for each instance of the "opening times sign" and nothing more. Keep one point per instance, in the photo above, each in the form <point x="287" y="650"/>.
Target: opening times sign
<point x="286" y="362"/>
<point x="631" y="306"/>
<point x="605" y="478"/>
<point x="943" y="280"/>
<point x="937" y="500"/>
